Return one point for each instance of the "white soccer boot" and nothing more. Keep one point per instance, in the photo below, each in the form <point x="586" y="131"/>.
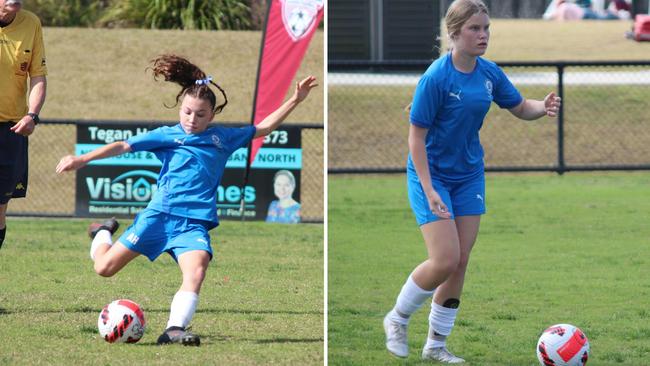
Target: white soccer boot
<point x="440" y="354"/>
<point x="396" y="340"/>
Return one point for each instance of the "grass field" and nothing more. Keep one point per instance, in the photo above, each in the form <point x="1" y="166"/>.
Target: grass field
<point x="551" y="249"/>
<point x="540" y="40"/>
<point x="261" y="302"/>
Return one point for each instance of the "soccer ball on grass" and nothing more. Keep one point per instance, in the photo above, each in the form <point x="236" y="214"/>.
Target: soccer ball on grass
<point x="121" y="321"/>
<point x="563" y="345"/>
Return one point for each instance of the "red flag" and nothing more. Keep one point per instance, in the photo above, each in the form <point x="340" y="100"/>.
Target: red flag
<point x="290" y="26"/>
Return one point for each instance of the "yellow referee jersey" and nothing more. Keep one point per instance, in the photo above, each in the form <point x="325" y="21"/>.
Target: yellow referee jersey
<point x="22" y="54"/>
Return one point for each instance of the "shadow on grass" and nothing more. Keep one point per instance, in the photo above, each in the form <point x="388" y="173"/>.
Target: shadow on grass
<point x="241" y="311"/>
<point x="289" y="340"/>
<point x="160" y="310"/>
<point x="205" y="341"/>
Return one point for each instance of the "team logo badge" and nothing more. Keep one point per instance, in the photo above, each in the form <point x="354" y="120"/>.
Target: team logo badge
<point x="488" y="86"/>
<point x="217" y="141"/>
<point x="299" y="16"/>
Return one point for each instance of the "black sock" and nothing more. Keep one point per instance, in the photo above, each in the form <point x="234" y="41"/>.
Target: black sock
<point x="2" y="235"/>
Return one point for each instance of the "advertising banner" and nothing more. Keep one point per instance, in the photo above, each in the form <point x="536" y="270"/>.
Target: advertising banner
<point x="122" y="186"/>
<point x="290" y="26"/>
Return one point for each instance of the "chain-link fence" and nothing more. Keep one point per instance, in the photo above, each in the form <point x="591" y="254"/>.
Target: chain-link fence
<point x="603" y="124"/>
<point x="51" y="194"/>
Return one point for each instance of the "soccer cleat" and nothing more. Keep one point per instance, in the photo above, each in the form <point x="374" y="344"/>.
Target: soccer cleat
<point x="396" y="340"/>
<point x="178" y="335"/>
<point x="111" y="225"/>
<point x="440" y="354"/>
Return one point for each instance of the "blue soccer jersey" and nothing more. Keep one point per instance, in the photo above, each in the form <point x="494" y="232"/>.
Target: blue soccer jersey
<point x="192" y="167"/>
<point x="452" y="105"/>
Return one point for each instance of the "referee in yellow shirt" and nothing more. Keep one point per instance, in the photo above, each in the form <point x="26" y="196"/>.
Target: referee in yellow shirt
<point x="22" y="59"/>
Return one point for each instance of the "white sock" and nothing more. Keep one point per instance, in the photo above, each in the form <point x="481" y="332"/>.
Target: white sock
<point x="441" y="322"/>
<point x="182" y="309"/>
<point x="408" y="301"/>
<point x="102" y="237"/>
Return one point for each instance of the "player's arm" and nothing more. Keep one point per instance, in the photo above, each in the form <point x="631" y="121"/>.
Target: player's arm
<point x="273" y="120"/>
<point x="418" y="151"/>
<point x="71" y="162"/>
<point x="530" y="109"/>
<point x="37" y="89"/>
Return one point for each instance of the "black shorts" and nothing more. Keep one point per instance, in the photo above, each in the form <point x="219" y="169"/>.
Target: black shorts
<point x="13" y="163"/>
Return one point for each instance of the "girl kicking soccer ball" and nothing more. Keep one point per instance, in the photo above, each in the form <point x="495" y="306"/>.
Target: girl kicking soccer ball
<point x="184" y="207"/>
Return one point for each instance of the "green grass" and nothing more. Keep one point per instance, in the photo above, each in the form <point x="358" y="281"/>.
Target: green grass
<point x="261" y="302"/>
<point x="551" y="249"/>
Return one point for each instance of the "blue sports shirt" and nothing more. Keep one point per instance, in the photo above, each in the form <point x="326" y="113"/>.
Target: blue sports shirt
<point x="452" y="105"/>
<point x="192" y="167"/>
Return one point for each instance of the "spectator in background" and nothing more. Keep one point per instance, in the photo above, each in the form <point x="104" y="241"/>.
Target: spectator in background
<point x="621" y="8"/>
<point x="23" y="59"/>
<point x="568" y="11"/>
<point x="577" y="10"/>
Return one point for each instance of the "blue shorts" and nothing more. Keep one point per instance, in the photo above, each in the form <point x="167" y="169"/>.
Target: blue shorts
<point x="463" y="198"/>
<point x="154" y="232"/>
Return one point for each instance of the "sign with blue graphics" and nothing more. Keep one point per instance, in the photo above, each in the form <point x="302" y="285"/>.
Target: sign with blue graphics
<point x="123" y="185"/>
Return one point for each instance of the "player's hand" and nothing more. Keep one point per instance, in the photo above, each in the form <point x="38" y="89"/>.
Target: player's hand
<point x="437" y="206"/>
<point x="552" y="104"/>
<point x="24" y="127"/>
<point x="303" y="88"/>
<point x="69" y="162"/>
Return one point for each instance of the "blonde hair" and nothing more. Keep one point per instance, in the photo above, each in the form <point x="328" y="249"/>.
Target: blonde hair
<point x="458" y="13"/>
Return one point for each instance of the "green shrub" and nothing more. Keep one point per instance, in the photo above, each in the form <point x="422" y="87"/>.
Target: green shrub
<point x="179" y="14"/>
<point x="67" y="13"/>
<point x="155" y="14"/>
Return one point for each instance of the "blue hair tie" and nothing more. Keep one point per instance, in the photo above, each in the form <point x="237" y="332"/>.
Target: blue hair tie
<point x="205" y="81"/>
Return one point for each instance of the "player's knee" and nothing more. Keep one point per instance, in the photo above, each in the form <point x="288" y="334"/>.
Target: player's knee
<point x="196" y="276"/>
<point x="463" y="261"/>
<point x="103" y="269"/>
<point x="449" y="265"/>
<point x="442" y="267"/>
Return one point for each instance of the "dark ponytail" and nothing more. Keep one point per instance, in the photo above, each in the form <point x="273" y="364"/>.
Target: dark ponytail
<point x="184" y="73"/>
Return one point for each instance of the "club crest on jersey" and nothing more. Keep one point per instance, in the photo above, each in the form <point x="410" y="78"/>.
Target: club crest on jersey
<point x="217" y="141"/>
<point x="488" y="86"/>
<point x="299" y="16"/>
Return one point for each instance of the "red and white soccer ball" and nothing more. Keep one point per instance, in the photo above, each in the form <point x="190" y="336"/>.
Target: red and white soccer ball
<point x="121" y="321"/>
<point x="563" y="345"/>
